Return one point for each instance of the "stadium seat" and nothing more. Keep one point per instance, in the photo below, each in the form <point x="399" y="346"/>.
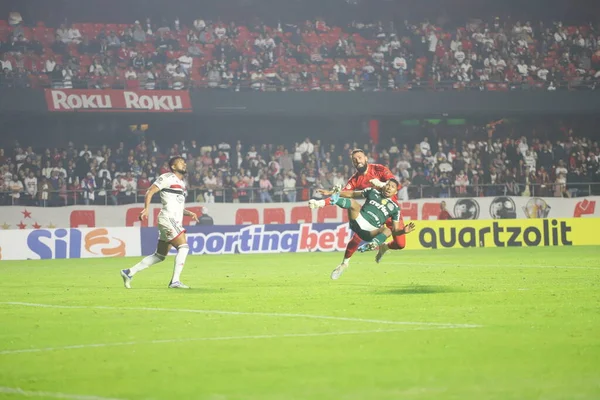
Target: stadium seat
<point x="274" y="216"/>
<point x="132" y="84"/>
<point x="83" y="218"/>
<point x="301" y="215"/>
<point x="327" y="214"/>
<point x="246" y="216"/>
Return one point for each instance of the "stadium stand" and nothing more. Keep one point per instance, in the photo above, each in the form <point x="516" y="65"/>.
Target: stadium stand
<point x="492" y="55"/>
<point x="318" y="54"/>
<point x="499" y="158"/>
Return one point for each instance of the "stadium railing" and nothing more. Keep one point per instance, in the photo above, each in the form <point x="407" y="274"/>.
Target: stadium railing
<point x="273" y="84"/>
<point x="253" y="195"/>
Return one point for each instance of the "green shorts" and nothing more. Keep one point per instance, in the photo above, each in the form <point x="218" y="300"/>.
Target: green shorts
<point x="363" y="228"/>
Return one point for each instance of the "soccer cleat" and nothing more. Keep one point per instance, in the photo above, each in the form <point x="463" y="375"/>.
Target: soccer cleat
<point x="367" y="247"/>
<point x="336" y="273"/>
<point x="126" y="278"/>
<point x="336" y="189"/>
<point x="177" y="285"/>
<point x="312" y="203"/>
<point x="382" y="249"/>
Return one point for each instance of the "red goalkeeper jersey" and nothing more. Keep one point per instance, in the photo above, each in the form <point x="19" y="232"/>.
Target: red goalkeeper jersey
<point x="360" y="181"/>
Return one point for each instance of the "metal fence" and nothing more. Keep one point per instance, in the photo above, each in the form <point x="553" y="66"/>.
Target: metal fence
<point x="256" y="195"/>
<point x="285" y="85"/>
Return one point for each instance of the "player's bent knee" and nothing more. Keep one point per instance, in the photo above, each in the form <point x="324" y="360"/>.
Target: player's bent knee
<point x="183" y="248"/>
<point x="161" y="257"/>
<point x="400" y="242"/>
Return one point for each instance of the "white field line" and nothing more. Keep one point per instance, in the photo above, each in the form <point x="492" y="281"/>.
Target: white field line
<point x="216" y="338"/>
<point x="258" y="314"/>
<point x="53" y="395"/>
<point x="419" y="263"/>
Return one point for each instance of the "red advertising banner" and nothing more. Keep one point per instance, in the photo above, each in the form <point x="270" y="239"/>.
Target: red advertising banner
<point x="70" y="100"/>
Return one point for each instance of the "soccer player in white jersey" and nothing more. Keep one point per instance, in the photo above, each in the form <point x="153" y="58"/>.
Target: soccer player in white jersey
<point x="171" y="233"/>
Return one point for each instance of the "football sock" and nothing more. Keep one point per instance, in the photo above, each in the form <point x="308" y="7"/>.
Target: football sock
<point x="351" y="247"/>
<point x="182" y="252"/>
<point x="379" y="238"/>
<point x="145" y="263"/>
<point x="398" y="243"/>
<point x="342" y="202"/>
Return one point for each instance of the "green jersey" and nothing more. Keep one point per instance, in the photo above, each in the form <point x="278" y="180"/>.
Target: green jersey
<point x="377" y="209"/>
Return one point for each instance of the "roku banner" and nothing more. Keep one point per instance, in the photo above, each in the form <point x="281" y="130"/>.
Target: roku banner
<point x="70" y="100"/>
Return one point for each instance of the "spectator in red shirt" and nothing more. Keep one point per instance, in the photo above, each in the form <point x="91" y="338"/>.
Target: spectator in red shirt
<point x="143" y="184"/>
<point x="305" y="188"/>
<point x="444" y="214"/>
<point x="165" y="168"/>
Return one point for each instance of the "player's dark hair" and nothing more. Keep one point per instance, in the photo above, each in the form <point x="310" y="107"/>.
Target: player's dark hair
<point x="173" y="160"/>
<point x="357" y="151"/>
<point x="395" y="181"/>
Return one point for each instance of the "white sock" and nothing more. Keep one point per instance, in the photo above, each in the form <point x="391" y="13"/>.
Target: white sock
<point x="145" y="263"/>
<point x="346" y="261"/>
<point x="182" y="252"/>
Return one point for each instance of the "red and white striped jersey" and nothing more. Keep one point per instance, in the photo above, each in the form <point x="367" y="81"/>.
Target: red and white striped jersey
<point x="172" y="195"/>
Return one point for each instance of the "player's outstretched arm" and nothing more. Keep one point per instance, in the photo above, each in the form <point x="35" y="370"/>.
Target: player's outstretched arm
<point x="152" y="190"/>
<point x="325" y="192"/>
<point x="398" y="230"/>
<point x="351" y="194"/>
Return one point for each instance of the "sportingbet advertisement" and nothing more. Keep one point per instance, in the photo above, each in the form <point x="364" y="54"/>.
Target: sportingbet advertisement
<point x="258" y="238"/>
<point x="34" y="244"/>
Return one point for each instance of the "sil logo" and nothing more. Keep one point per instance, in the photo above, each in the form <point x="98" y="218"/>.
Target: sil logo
<point x="99" y="241"/>
<point x="69" y="243"/>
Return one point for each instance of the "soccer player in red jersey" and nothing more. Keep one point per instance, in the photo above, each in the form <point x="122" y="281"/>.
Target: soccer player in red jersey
<point x="367" y="175"/>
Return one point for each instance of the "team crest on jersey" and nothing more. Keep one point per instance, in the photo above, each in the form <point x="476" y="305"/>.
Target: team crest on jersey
<point x="348" y="186"/>
<point x="390" y="206"/>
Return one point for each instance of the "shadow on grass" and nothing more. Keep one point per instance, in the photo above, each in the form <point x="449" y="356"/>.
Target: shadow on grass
<point x="419" y="289"/>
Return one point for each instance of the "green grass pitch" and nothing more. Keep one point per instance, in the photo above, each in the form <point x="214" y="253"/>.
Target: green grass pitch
<point x="518" y="323"/>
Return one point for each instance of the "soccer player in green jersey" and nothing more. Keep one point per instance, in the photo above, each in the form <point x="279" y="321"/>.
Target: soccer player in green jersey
<point x="368" y="220"/>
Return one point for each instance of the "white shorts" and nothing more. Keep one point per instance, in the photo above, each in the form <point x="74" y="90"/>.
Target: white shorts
<point x="364" y="224"/>
<point x="168" y="228"/>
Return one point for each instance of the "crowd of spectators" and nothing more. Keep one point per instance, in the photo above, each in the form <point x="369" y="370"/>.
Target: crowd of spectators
<point x="467" y="165"/>
<point x="479" y="54"/>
